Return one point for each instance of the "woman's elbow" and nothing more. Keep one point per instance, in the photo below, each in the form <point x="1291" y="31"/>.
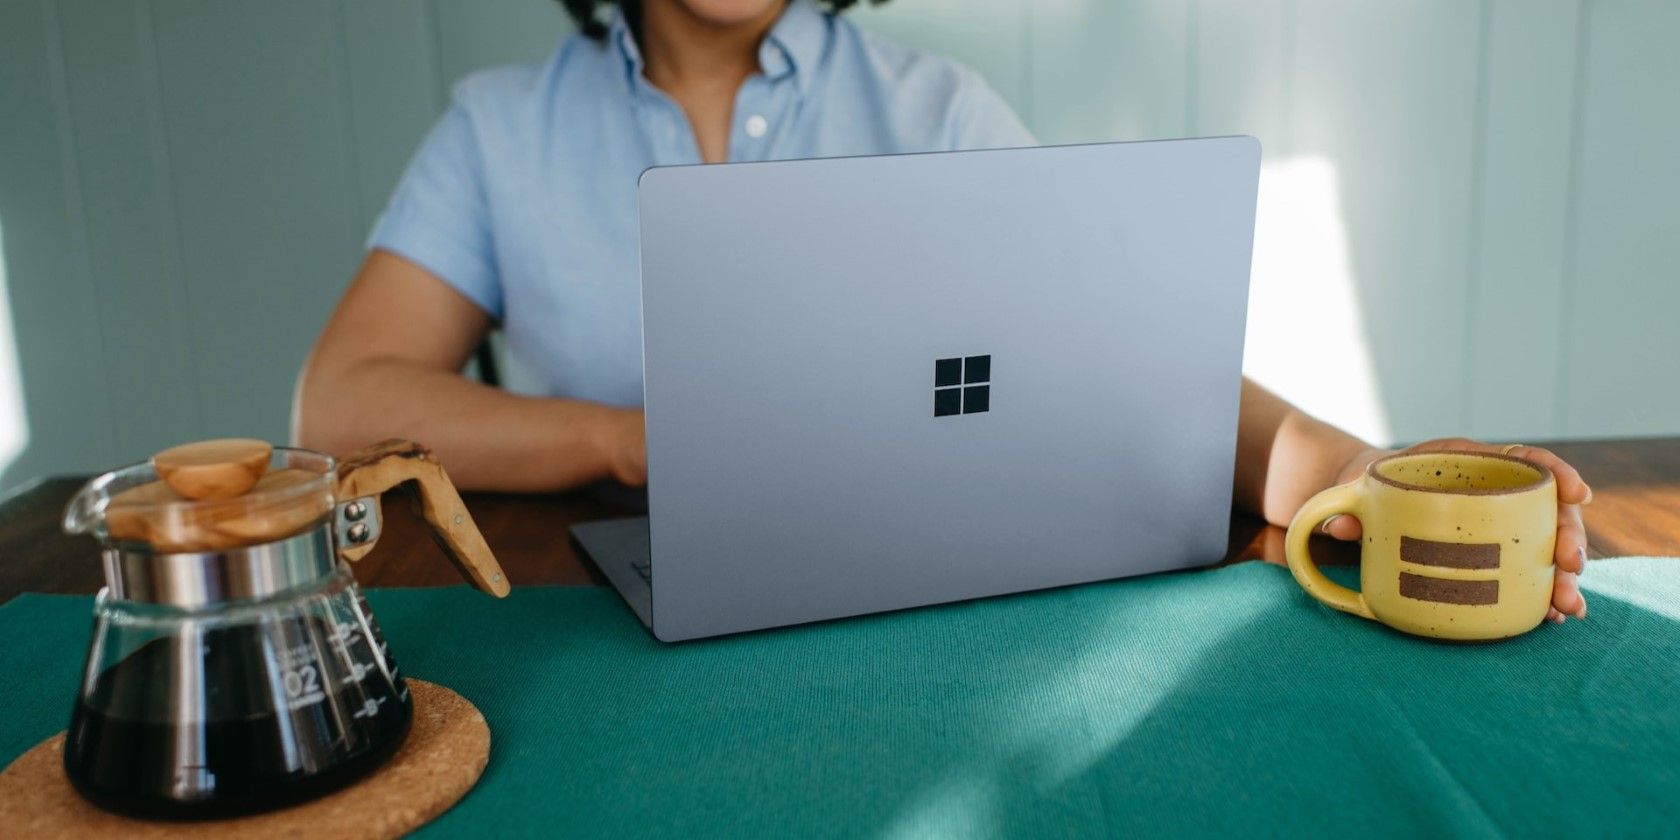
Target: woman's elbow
<point x="315" y="423"/>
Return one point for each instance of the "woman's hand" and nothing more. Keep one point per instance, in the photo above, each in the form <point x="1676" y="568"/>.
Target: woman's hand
<point x="1572" y="492"/>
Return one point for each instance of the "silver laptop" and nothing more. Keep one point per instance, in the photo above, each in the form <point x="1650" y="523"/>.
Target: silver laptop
<point x="884" y="382"/>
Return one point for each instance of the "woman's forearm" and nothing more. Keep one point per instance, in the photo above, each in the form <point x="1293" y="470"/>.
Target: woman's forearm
<point x="1284" y="456"/>
<point x="486" y="438"/>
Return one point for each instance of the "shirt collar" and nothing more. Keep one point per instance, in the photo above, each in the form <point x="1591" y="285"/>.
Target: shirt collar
<point x="618" y="32"/>
<point x="794" y="45"/>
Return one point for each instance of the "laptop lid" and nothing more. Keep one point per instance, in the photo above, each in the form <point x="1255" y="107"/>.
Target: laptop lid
<point x="813" y="450"/>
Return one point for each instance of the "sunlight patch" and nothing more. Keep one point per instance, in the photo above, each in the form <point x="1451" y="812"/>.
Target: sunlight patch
<point x="14" y="424"/>
<point x="1306" y="334"/>
<point x="956" y="807"/>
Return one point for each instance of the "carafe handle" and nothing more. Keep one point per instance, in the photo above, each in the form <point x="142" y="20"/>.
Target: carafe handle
<point x="371" y="471"/>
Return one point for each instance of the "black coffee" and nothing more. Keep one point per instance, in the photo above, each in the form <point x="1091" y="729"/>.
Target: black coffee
<point x="125" y="752"/>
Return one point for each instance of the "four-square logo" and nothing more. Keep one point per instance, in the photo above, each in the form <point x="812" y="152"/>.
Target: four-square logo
<point x="962" y="385"/>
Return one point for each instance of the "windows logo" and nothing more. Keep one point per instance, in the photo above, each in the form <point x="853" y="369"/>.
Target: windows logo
<point x="962" y="386"/>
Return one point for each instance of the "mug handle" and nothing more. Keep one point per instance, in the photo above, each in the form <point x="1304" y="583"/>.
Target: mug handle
<point x="1336" y="500"/>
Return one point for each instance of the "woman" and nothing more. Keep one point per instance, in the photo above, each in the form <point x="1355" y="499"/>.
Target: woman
<point x="520" y="210"/>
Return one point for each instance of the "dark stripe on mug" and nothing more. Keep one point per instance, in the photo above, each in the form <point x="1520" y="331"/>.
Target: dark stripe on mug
<point x="1471" y="592"/>
<point x="1449" y="555"/>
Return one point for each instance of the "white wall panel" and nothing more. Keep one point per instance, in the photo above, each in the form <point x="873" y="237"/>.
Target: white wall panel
<point x="53" y="383"/>
<point x="257" y="123"/>
<point x="1107" y="70"/>
<point x="1384" y="94"/>
<point x="1521" y="218"/>
<point x="1619" y="341"/>
<point x="1486" y="185"/>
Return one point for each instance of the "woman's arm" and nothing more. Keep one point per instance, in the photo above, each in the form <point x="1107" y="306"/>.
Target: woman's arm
<point x="1285" y="456"/>
<point x="388" y="365"/>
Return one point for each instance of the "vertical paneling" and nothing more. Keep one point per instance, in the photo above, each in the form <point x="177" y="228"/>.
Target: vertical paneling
<point x="265" y="193"/>
<point x="1241" y="67"/>
<point x="1384" y="92"/>
<point x="1481" y="191"/>
<point x="50" y="295"/>
<point x="1619" y="339"/>
<point x="988" y="37"/>
<point x="1106" y="70"/>
<point x="1302" y="271"/>
<point x="1521" y="219"/>
<point x="473" y="34"/>
<point x="391" y="58"/>
<point x="129" y="213"/>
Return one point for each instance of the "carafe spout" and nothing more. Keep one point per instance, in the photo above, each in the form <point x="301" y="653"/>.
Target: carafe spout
<point x="85" y="514"/>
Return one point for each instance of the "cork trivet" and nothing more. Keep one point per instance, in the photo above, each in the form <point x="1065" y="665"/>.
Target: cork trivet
<point x="447" y="747"/>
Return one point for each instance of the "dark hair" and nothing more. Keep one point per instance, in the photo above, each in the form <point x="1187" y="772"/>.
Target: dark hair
<point x="584" y="12"/>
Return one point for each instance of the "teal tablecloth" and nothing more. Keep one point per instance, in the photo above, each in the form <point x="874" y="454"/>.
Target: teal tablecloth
<point x="1214" y="702"/>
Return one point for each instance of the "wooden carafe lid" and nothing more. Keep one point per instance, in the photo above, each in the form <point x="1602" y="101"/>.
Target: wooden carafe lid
<point x="213" y="469"/>
<point x="226" y="494"/>
<point x="217" y="495"/>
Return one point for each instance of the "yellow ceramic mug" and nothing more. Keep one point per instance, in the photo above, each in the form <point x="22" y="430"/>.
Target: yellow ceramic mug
<point x="1456" y="545"/>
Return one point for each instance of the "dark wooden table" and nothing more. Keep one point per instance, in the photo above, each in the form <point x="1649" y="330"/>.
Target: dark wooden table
<point x="1636" y="510"/>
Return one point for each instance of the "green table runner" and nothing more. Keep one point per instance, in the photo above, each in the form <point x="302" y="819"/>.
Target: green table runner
<point x="1210" y="702"/>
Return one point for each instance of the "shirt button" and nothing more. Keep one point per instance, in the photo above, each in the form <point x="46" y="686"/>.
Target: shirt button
<point x="756" y="126"/>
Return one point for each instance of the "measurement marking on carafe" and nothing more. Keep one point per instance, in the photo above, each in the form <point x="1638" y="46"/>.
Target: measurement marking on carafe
<point x="306" y="700"/>
<point x="303" y="687"/>
<point x="370" y="707"/>
<point x="343" y="636"/>
<point x="358" y="670"/>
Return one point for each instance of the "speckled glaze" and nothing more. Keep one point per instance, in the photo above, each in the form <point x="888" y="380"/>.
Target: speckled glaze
<point x="1456" y="545"/>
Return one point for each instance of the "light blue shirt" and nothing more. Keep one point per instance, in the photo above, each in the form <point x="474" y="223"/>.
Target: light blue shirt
<point x="523" y="197"/>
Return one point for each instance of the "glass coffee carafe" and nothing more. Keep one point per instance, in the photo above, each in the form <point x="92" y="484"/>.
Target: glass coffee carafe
<point x="235" y="665"/>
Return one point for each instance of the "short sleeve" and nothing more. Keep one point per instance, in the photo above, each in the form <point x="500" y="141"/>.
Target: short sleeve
<point x="984" y="120"/>
<point x="439" y="216"/>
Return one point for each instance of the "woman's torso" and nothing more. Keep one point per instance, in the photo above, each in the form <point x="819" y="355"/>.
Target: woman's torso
<point x="560" y="148"/>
